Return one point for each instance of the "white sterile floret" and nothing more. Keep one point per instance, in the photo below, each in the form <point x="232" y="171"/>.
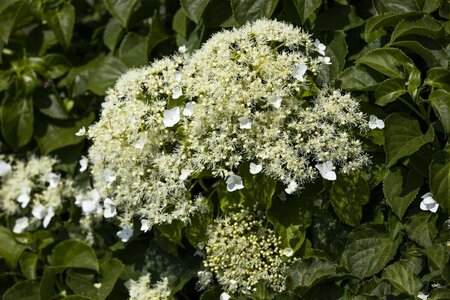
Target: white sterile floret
<point x="53" y="180"/>
<point x="140" y="143"/>
<point x="244" y="123"/>
<point x="177" y="92"/>
<point x="81" y="131"/>
<point x="24" y="196"/>
<point x="374" y="122"/>
<point x="20" y="225"/>
<point x="225" y="296"/>
<point x="255" y="168"/>
<point x="183" y="49"/>
<point x="422" y="296"/>
<point x="171" y="117"/>
<point x="326" y="60"/>
<point x="84" y="161"/>
<point x="275" y="101"/>
<point x="189" y="109"/>
<point x="145" y="225"/>
<point x="125" y="233"/>
<point x="178" y="76"/>
<point x="109" y="208"/>
<point x="320" y="47"/>
<point x="291" y="188"/>
<point x="48" y="217"/>
<point x="299" y="71"/>
<point x="5" y="168"/>
<point x="185" y="174"/>
<point x="39" y="211"/>
<point x="428" y="203"/>
<point x="234" y="182"/>
<point x="326" y="170"/>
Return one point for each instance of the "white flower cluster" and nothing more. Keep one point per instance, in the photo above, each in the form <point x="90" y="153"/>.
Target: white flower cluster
<point x="143" y="290"/>
<point x="247" y="95"/>
<point x="241" y="250"/>
<point x="32" y="190"/>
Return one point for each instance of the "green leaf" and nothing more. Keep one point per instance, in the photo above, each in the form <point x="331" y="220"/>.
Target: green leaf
<point x="433" y="54"/>
<point x="348" y="195"/>
<point x="28" y="263"/>
<point x="108" y="70"/>
<point x="218" y="13"/>
<point x="369" y="248"/>
<point x="180" y="23"/>
<point x="359" y="78"/>
<point x="402" y="276"/>
<point x="403" y="137"/>
<point x="397" y="193"/>
<point x="386" y="20"/>
<point x="438" y="78"/>
<point x="9" y="14"/>
<point x="440" y="183"/>
<point x="114" y="31"/>
<point x="55" y="135"/>
<point x="74" y="254"/>
<point x="308" y="272"/>
<point x="397" y="6"/>
<point x="133" y="50"/>
<point x="306" y="7"/>
<point x="24" y="290"/>
<point x="337" y="50"/>
<point x="61" y="22"/>
<point x="426" y="26"/>
<point x="11" y="250"/>
<point x="196" y="231"/>
<point x="437" y="256"/>
<point x="57" y="65"/>
<point x="122" y="9"/>
<point x="250" y="10"/>
<point x="440" y="100"/>
<point x="157" y="34"/>
<point x="17" y="120"/>
<point x="441" y="293"/>
<point x="194" y="8"/>
<point x="389" y="61"/>
<point x="421" y="228"/>
<point x="50" y="105"/>
<point x="173" y="231"/>
<point x="428" y="6"/>
<point x="414" y="81"/>
<point x="389" y="90"/>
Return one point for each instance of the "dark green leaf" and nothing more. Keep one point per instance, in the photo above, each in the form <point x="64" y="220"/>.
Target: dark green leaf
<point x="403" y="137"/>
<point x="440" y="183"/>
<point x="441" y="293"/>
<point x="61" y="22"/>
<point x="133" y="50"/>
<point x="440" y="100"/>
<point x="337" y="50"/>
<point x="180" y="22"/>
<point x="348" y="195"/>
<point x="437" y="256"/>
<point x="306" y="7"/>
<point x="173" y="231"/>
<point x="194" y="8"/>
<point x="307" y="272"/>
<point x="17" y="120"/>
<point x="196" y="231"/>
<point x="388" y="61"/>
<point x="438" y="78"/>
<point x="9" y="13"/>
<point x="426" y="26"/>
<point x="57" y="65"/>
<point x="11" y="250"/>
<point x="389" y="90"/>
<point x="157" y="34"/>
<point x="402" y="276"/>
<point x="24" y="290"/>
<point x="50" y="105"/>
<point x="359" y="78"/>
<point x="74" y="254"/>
<point x="105" y="74"/>
<point x="421" y="228"/>
<point x="384" y="20"/>
<point x="122" y="9"/>
<point x="428" y="5"/>
<point x="250" y="10"/>
<point x="434" y="54"/>
<point x="28" y="263"/>
<point x="112" y="34"/>
<point x="369" y="249"/>
<point x="398" y="6"/>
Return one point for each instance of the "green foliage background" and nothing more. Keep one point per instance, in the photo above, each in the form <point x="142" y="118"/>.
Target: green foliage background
<point x="361" y="237"/>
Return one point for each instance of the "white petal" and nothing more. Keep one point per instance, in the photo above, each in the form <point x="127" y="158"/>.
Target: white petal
<point x="140" y="143"/>
<point x="39" y="211"/>
<point x="171" y="117"/>
<point x="108" y="176"/>
<point x="320" y="47"/>
<point x="434" y="208"/>
<point x="224" y="296"/>
<point x="182" y="49"/>
<point x="374" y="122"/>
<point x="189" y="109"/>
<point x="427" y="195"/>
<point x="428" y="200"/>
<point x="53" y="179"/>
<point x="178" y="76"/>
<point x="185" y="174"/>
<point x="291" y="188"/>
<point x="20" y="225"/>
<point x="326" y="170"/>
<point x="422" y="296"/>
<point x="88" y="206"/>
<point x="325" y="60"/>
<point x="110" y="209"/>
<point x="288" y="252"/>
<point x="78" y="199"/>
<point x="24" y="199"/>
<point x="423" y="206"/>
<point x="48" y="217"/>
<point x="255" y="169"/>
<point x="380" y="124"/>
<point x="125" y="234"/>
<point x="145" y="225"/>
<point x="299" y="71"/>
<point x="5" y="168"/>
<point x="244" y="123"/>
<point x="84" y="161"/>
<point x="234" y="182"/>
<point x="95" y="196"/>
<point x="177" y="92"/>
<point x="275" y="101"/>
<point x="81" y="131"/>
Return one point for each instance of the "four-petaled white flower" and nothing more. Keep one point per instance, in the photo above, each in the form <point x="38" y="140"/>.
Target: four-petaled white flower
<point x="245" y="123"/>
<point x="20" y="225"/>
<point x="326" y="170"/>
<point x="5" y="168"/>
<point x="428" y="203"/>
<point x="178" y="76"/>
<point x="326" y="60"/>
<point x="177" y="92"/>
<point x="189" y="109"/>
<point x="125" y="234"/>
<point x="234" y="182"/>
<point x="275" y="101"/>
<point x="288" y="252"/>
<point x="291" y="188"/>
<point x="81" y="131"/>
<point x="84" y="161"/>
<point x="171" y="117"/>
<point x="53" y="180"/>
<point x="109" y="210"/>
<point x="320" y="47"/>
<point x="182" y="49"/>
<point x="24" y="197"/>
<point x="374" y="122"/>
<point x="255" y="168"/>
<point x="184" y="174"/>
<point x="145" y="225"/>
<point x="422" y="296"/>
<point x="140" y="143"/>
<point x="299" y="71"/>
<point x="225" y="296"/>
<point x="89" y="203"/>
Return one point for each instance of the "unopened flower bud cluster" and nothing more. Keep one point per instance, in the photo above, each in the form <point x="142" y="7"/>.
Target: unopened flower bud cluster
<point x="32" y="190"/>
<point x="241" y="251"/>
